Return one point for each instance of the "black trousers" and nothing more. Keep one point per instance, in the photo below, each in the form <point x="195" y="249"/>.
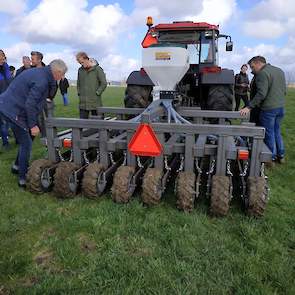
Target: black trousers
<point x="84" y="114"/>
<point x="238" y="98"/>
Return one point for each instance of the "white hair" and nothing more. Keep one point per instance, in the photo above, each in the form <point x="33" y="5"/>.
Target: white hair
<point x="59" y="66"/>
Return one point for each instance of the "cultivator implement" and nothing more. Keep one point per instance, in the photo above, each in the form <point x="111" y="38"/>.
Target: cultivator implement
<point x="170" y="142"/>
<point x="198" y="159"/>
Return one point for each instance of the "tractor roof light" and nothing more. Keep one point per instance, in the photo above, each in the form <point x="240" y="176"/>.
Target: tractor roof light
<point x="149" y="21"/>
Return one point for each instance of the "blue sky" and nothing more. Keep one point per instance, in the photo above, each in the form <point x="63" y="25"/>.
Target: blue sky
<point x="111" y="31"/>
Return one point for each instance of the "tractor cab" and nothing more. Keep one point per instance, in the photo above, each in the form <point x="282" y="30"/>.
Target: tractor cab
<point x="204" y="83"/>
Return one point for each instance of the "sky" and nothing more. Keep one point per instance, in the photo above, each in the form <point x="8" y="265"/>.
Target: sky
<point x="112" y="31"/>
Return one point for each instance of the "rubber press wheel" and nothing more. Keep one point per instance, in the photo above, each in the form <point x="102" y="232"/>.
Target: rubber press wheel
<point x="61" y="180"/>
<point x="186" y="192"/>
<point x="257" y="194"/>
<point x="121" y="189"/>
<point x="90" y="178"/>
<point x="220" y="196"/>
<point x="34" y="174"/>
<point x="152" y="186"/>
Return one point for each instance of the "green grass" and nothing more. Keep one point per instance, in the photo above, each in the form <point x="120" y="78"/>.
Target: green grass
<point x="80" y="246"/>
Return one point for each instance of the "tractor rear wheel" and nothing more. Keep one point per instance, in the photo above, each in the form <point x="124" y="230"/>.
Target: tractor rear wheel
<point x="62" y="180"/>
<point x="138" y="96"/>
<point x="152" y="186"/>
<point x="257" y="194"/>
<point x="121" y="189"/>
<point x="34" y="174"/>
<point x="220" y="98"/>
<point x="186" y="193"/>
<point x="220" y="195"/>
<point x="90" y="178"/>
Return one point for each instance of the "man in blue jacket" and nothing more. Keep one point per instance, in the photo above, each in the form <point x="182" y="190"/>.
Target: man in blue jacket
<point x="5" y="78"/>
<point x="21" y="104"/>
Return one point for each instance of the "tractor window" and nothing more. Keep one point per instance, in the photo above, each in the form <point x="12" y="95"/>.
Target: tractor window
<point x="207" y="51"/>
<point x="193" y="50"/>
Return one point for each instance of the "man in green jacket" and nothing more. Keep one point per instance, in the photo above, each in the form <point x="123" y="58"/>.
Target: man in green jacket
<point x="90" y="85"/>
<point x="270" y="98"/>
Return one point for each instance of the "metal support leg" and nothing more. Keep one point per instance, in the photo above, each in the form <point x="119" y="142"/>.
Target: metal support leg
<point x="221" y="156"/>
<point x="159" y="161"/>
<point x="103" y="151"/>
<point x="51" y="135"/>
<point x="188" y="157"/>
<point x="131" y="161"/>
<point x="76" y="137"/>
<point x="255" y="161"/>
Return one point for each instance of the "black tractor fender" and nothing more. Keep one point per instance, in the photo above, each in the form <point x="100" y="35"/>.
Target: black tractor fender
<point x="139" y="78"/>
<point x="225" y="76"/>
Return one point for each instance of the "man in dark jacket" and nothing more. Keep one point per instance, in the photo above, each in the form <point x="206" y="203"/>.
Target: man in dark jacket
<point x="23" y="101"/>
<point x="63" y="86"/>
<point x="241" y="87"/>
<point x="26" y="65"/>
<point x="270" y="97"/>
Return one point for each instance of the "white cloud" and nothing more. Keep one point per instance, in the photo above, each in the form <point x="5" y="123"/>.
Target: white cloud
<point x="271" y="19"/>
<point x="215" y="11"/>
<point x="118" y="67"/>
<point x="15" y="53"/>
<point x="69" y="22"/>
<point x="13" y="7"/>
<point x="264" y="28"/>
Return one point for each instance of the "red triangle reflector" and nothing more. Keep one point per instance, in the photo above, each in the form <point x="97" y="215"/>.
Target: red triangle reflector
<point x="145" y="142"/>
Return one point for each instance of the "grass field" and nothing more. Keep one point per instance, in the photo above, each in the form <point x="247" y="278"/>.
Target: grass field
<point x="81" y="246"/>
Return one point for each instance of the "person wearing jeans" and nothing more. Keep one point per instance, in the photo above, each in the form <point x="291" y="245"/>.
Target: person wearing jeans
<point x="63" y="86"/>
<point x="21" y="104"/>
<point x="271" y="120"/>
<point x="270" y="98"/>
<point x="5" y="79"/>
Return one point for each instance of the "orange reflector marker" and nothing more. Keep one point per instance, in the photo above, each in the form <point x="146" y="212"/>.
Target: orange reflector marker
<point x="67" y="143"/>
<point x="243" y="154"/>
<point x="145" y="142"/>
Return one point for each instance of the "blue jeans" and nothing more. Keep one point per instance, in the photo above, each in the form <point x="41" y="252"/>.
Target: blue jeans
<point x="271" y="121"/>
<point x="24" y="152"/>
<point x="65" y="99"/>
<point x="4" y="130"/>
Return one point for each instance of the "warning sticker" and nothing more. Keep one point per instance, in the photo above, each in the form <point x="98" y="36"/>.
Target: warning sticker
<point x="162" y="55"/>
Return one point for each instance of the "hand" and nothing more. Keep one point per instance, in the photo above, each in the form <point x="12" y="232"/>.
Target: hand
<point x="245" y="111"/>
<point x="35" y="131"/>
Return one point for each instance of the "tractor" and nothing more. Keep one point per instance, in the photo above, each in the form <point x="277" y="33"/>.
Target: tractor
<point x="205" y="84"/>
<point x="177" y="130"/>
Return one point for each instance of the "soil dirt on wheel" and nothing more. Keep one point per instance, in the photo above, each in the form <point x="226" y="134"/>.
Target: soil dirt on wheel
<point x="34" y="174"/>
<point x="61" y="179"/>
<point x="257" y="194"/>
<point x="90" y="178"/>
<point x="152" y="186"/>
<point x="186" y="193"/>
<point x="220" y="196"/>
<point x="121" y="192"/>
